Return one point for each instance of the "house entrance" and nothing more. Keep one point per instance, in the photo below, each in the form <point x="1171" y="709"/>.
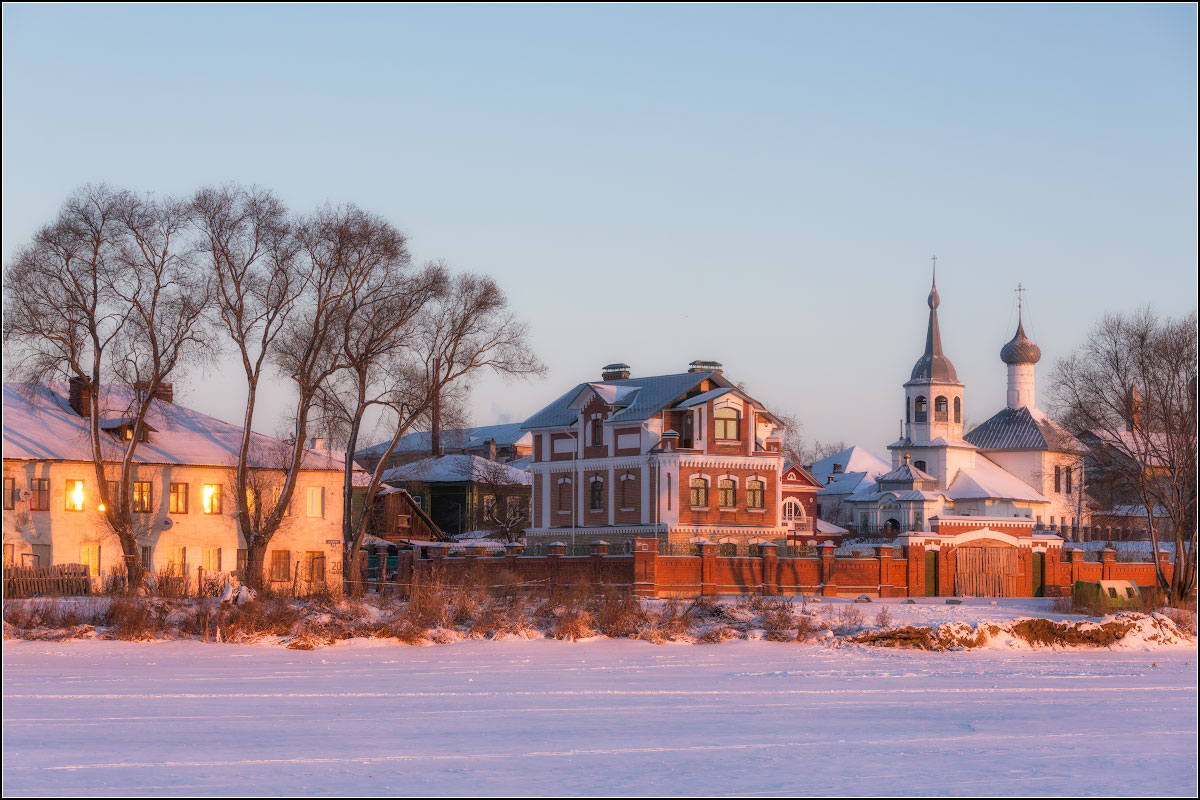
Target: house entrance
<point x="986" y="572"/>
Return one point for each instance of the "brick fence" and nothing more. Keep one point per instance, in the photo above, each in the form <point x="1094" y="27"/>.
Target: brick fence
<point x="890" y="572"/>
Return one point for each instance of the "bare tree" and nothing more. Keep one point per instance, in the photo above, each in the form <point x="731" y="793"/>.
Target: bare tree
<point x="107" y="295"/>
<point x="1130" y="389"/>
<point x="467" y="328"/>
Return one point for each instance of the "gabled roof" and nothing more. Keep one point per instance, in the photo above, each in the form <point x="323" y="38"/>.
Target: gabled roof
<point x="852" y="459"/>
<point x="988" y="480"/>
<point x="905" y="473"/>
<point x="40" y="425"/>
<point x="653" y="395"/>
<point x="804" y="474"/>
<point x="458" y="469"/>
<point x="1023" y="429"/>
<point x="460" y="438"/>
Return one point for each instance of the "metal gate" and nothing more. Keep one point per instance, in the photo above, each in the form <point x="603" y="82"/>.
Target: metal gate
<point x="986" y="572"/>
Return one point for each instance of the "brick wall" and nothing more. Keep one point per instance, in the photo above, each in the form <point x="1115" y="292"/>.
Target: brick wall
<point x="889" y="573"/>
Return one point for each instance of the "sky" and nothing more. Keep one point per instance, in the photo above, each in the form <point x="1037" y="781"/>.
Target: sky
<point x="762" y="186"/>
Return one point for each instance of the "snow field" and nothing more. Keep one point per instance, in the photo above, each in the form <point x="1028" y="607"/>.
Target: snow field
<point x="603" y="716"/>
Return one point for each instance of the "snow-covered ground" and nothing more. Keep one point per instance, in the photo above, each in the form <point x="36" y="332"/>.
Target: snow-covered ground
<point x="544" y="717"/>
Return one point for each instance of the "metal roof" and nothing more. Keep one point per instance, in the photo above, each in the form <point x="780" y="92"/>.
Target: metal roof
<point x="1023" y="429"/>
<point x="655" y="393"/>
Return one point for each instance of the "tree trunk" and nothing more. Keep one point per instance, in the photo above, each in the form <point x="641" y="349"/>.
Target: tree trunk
<point x="256" y="556"/>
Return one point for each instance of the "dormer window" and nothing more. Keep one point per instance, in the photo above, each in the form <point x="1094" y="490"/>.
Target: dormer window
<point x="837" y="468"/>
<point x="727" y="426"/>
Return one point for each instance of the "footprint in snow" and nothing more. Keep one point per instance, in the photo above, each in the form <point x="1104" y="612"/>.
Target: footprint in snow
<point x="966" y="726"/>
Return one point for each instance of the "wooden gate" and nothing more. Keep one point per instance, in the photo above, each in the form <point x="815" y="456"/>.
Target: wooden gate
<point x="986" y="572"/>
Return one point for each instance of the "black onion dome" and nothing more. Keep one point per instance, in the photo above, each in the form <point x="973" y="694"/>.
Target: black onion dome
<point x="933" y="366"/>
<point x="1020" y="349"/>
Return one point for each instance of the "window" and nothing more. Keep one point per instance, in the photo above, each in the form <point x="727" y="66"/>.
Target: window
<point x="10" y="491"/>
<point x="179" y="498"/>
<point x="177" y="562"/>
<point x="837" y="468"/>
<point x="127" y="433"/>
<point x="921" y="409"/>
<point x="316" y="501"/>
<point x="281" y="565"/>
<point x="941" y="410"/>
<point x="314" y="565"/>
<point x="1068" y="476"/>
<point x="755" y="494"/>
<point x="89" y="554"/>
<point x="242" y="560"/>
<point x="212" y="498"/>
<point x="668" y="492"/>
<point x="1058" y="479"/>
<point x="699" y="487"/>
<point x="597" y="433"/>
<point x="512" y="506"/>
<point x="40" y="487"/>
<point x="792" y="509"/>
<point x="74" y="496"/>
<point x="148" y="558"/>
<point x="277" y="492"/>
<point x="597" y="495"/>
<point x="489" y="505"/>
<point x="727" y="492"/>
<point x="727" y="423"/>
<point x="919" y="465"/>
<point x="907" y="410"/>
<point x="212" y="559"/>
<point x="10" y="553"/>
<point x="918" y="521"/>
<point x="958" y="409"/>
<point x="141" y="497"/>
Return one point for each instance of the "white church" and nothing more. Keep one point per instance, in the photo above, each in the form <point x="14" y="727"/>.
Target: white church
<point x="1019" y="463"/>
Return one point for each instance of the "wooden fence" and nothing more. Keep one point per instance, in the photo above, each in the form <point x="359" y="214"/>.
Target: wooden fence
<point x="59" y="579"/>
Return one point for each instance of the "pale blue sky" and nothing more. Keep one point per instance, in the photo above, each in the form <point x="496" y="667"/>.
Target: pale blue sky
<point x="762" y="185"/>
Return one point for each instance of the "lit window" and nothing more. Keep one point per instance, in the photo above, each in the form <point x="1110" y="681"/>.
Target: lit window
<point x="10" y="491"/>
<point x="141" y="496"/>
<point x="212" y="498"/>
<point x="699" y="487"/>
<point x="727" y="424"/>
<point x="74" y="496"/>
<point x="177" y="561"/>
<point x="179" y="498"/>
<point x="89" y="554"/>
<point x="316" y="501"/>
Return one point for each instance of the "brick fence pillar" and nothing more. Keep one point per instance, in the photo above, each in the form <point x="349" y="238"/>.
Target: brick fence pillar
<point x="1164" y="563"/>
<point x="554" y="553"/>
<point x="916" y="570"/>
<point x="769" y="554"/>
<point x="708" y="566"/>
<point x="645" y="567"/>
<point x="1076" y="568"/>
<point x="598" y="550"/>
<point x="1108" y="557"/>
<point x="884" y="554"/>
<point x="828" y="561"/>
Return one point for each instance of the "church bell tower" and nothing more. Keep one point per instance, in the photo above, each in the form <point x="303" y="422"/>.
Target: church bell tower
<point x="933" y="397"/>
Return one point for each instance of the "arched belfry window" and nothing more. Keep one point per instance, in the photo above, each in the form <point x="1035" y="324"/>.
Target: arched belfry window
<point x="941" y="409"/>
<point x="921" y="409"/>
<point x="958" y="410"/>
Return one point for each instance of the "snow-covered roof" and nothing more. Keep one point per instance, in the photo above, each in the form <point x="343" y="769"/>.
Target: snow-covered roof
<point x="852" y="459"/>
<point x="829" y="527"/>
<point x="705" y="397"/>
<point x="458" y="439"/>
<point x="1023" y="429"/>
<point x="653" y="394"/>
<point x="457" y="468"/>
<point x="988" y="480"/>
<point x="851" y="484"/>
<point x="40" y="425"/>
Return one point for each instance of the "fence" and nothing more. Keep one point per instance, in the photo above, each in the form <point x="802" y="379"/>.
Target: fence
<point x="59" y="579"/>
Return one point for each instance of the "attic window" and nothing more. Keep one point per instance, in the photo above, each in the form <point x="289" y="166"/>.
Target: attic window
<point x="837" y="468"/>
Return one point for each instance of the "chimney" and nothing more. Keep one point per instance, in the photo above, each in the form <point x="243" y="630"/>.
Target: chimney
<point x="615" y="372"/>
<point x="491" y="446"/>
<point x="670" y="440"/>
<point x="165" y="393"/>
<point x="705" y="366"/>
<point x="316" y="443"/>
<point x="79" y="397"/>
